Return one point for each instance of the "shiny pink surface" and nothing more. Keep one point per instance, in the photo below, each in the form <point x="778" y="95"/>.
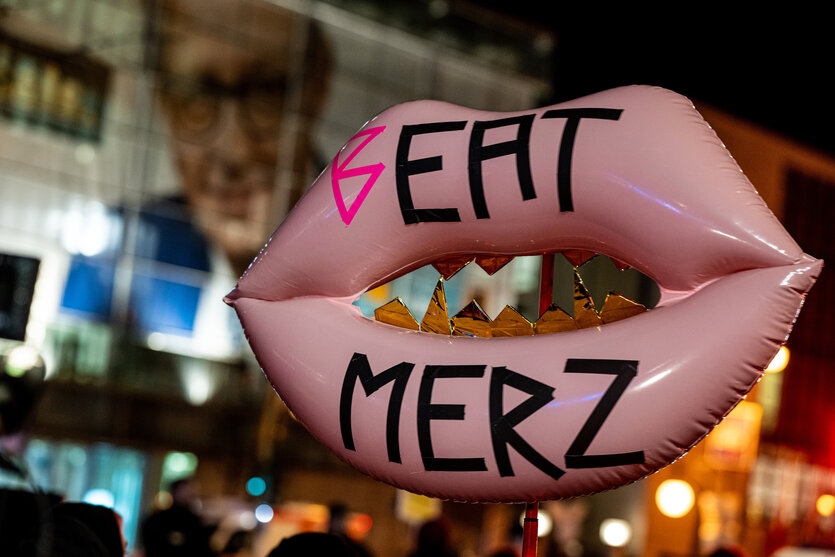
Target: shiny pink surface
<point x="654" y="188"/>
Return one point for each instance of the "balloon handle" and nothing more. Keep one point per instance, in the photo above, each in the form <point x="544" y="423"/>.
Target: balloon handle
<point x="530" y="531"/>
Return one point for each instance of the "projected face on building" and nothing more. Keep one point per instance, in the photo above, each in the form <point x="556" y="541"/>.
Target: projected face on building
<point x="240" y="84"/>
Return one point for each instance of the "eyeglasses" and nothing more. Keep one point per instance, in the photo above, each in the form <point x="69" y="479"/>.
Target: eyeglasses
<point x="196" y="106"/>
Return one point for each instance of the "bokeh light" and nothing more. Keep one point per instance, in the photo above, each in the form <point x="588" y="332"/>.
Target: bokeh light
<point x="103" y="497"/>
<point x="779" y="361"/>
<point x="21" y="359"/>
<point x="361" y="524"/>
<point x="615" y="532"/>
<point x="825" y="504"/>
<point x="256" y="486"/>
<point x="179" y="464"/>
<point x="675" y="498"/>
<point x="264" y="513"/>
<point x="163" y="500"/>
<point x="544" y="523"/>
<point x="247" y="520"/>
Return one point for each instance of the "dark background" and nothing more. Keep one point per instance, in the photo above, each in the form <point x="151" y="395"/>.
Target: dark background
<point x="774" y="69"/>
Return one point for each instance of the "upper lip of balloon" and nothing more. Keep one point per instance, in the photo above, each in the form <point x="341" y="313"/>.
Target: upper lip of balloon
<point x="748" y="246"/>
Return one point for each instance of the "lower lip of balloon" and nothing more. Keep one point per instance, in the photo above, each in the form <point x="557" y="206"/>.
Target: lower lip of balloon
<point x="526" y="418"/>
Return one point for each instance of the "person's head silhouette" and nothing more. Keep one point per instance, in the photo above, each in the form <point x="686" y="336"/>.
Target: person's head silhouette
<point x="313" y="543"/>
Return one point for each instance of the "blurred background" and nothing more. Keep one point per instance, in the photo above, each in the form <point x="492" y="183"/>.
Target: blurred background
<point x="148" y="148"/>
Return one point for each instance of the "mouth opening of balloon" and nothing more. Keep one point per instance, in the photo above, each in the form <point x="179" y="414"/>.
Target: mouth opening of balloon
<point x="499" y="296"/>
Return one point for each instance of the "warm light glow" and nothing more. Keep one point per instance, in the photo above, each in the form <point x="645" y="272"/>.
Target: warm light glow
<point x="379" y="295"/>
<point x="675" y="498"/>
<point x="416" y="509"/>
<point x="779" y="361"/>
<point x="544" y="523"/>
<point x="615" y="532"/>
<point x="733" y="444"/>
<point x="361" y="524"/>
<point x="825" y="504"/>
<point x="163" y="500"/>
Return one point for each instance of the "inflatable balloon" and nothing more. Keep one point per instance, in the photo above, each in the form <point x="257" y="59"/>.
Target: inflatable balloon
<point x="633" y="173"/>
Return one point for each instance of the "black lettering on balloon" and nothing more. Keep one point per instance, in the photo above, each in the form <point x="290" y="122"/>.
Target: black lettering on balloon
<point x="426" y="412"/>
<point x="359" y="368"/>
<point x="502" y="425"/>
<point x="624" y="371"/>
<point x="480" y="153"/>
<point x="569" y="134"/>
<point x="405" y="168"/>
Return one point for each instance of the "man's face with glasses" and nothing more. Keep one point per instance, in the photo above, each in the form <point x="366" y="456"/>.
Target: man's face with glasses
<point x="223" y="89"/>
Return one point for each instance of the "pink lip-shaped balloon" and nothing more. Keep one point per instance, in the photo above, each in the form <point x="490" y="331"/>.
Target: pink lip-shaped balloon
<point x="634" y="173"/>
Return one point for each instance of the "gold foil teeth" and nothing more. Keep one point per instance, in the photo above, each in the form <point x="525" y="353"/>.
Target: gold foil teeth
<point x="471" y="321"/>
<point x="474" y="322"/>
<point x="489" y="263"/>
<point x="492" y="263"/>
<point x="396" y="313"/>
<point x="436" y="319"/>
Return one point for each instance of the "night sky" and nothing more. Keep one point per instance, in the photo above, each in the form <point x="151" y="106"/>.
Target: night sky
<point x="772" y="69"/>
